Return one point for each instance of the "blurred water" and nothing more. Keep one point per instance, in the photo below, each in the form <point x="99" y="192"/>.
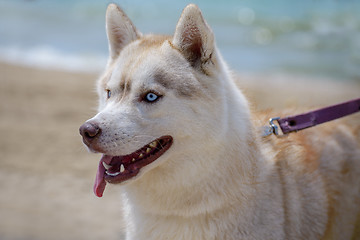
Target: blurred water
<point x="312" y="37"/>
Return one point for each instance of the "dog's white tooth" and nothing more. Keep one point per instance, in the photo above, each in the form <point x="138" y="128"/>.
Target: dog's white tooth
<point x="141" y="155"/>
<point x="153" y="144"/>
<point x="122" y="168"/>
<point x="106" y="166"/>
<point x="113" y="174"/>
<point x="148" y="150"/>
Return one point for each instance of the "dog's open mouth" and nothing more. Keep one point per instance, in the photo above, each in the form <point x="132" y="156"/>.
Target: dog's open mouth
<point x="117" y="169"/>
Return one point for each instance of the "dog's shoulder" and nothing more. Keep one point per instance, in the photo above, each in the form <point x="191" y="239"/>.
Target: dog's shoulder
<point x="330" y="150"/>
<point x="313" y="147"/>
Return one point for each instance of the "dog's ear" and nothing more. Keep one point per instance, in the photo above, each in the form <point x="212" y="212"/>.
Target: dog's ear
<point x="120" y="30"/>
<point x="194" y="38"/>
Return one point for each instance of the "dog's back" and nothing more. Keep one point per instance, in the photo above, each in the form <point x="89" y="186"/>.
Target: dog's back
<point x="320" y="165"/>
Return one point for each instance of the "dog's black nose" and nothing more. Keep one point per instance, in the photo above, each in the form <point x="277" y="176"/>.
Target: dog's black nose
<point x="89" y="131"/>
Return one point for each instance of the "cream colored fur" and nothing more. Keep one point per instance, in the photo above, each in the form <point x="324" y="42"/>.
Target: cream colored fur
<point x="218" y="180"/>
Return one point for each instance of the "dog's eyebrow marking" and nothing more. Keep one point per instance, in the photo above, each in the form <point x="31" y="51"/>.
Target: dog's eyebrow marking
<point x="124" y="86"/>
<point x="160" y="78"/>
<point x="183" y="87"/>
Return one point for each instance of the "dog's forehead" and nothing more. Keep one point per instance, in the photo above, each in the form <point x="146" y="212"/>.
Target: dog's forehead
<point x="134" y="59"/>
<point x="152" y="61"/>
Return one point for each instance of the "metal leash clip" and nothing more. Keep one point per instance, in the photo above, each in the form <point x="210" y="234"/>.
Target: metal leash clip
<point x="272" y="128"/>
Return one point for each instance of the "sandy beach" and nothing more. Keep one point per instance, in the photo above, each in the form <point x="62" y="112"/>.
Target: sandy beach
<point x="46" y="175"/>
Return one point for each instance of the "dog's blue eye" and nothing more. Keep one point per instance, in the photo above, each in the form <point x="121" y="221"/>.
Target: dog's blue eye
<point x="108" y="93"/>
<point x="151" y="97"/>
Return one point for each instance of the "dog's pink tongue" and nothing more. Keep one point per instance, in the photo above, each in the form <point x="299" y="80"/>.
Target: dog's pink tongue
<point x="100" y="183"/>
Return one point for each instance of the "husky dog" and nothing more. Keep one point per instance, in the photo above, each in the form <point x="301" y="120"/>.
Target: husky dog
<point x="178" y="136"/>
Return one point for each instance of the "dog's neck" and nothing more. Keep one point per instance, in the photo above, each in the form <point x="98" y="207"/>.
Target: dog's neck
<point x="190" y="213"/>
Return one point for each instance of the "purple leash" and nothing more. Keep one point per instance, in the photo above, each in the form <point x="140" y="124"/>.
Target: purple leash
<point x="313" y="118"/>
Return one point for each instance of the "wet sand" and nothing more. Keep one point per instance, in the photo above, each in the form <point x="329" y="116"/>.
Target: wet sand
<point x="46" y="175"/>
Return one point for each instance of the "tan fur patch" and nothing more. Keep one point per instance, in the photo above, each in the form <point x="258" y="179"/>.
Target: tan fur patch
<point x="310" y="156"/>
<point x="151" y="41"/>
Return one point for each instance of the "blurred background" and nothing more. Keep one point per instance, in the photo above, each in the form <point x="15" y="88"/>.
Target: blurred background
<point x="312" y="37"/>
<point x="284" y="53"/>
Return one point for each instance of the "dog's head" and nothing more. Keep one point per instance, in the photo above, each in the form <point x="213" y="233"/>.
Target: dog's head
<point x="160" y="99"/>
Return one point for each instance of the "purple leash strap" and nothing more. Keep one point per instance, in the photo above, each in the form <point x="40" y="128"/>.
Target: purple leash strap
<point x="313" y="118"/>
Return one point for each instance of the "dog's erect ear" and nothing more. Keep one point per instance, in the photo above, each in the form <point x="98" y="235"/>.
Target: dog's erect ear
<point x="193" y="37"/>
<point x="120" y="30"/>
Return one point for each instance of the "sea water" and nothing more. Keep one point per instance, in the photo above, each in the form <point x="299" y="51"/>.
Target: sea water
<point x="311" y="37"/>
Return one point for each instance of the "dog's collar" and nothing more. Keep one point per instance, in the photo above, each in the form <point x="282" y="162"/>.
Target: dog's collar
<point x="310" y="119"/>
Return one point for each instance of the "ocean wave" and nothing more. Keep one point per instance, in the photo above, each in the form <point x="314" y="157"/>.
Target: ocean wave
<point x="47" y="57"/>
